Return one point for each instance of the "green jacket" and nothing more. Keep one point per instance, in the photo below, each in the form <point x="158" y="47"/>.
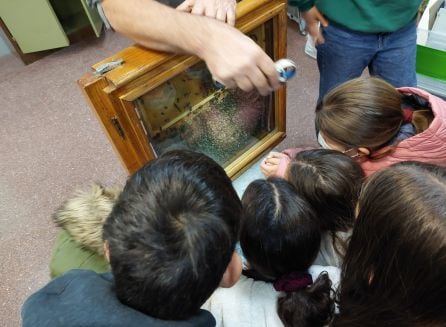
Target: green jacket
<point x="68" y="255"/>
<point x="79" y="243"/>
<point x="369" y="16"/>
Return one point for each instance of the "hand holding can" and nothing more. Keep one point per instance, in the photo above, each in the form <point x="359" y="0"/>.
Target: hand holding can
<point x="285" y="67"/>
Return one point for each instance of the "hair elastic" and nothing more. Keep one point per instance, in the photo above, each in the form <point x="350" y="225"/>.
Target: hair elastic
<point x="407" y="115"/>
<point x="293" y="282"/>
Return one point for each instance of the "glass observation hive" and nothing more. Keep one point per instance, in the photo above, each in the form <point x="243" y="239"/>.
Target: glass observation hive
<point x="150" y="102"/>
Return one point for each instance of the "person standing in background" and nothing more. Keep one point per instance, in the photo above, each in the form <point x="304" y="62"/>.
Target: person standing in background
<point x="351" y="35"/>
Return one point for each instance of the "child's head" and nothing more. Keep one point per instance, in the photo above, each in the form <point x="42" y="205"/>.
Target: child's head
<point x="330" y="181"/>
<point x="280" y="237"/>
<point x="359" y="116"/>
<point x="172" y="234"/>
<point x="395" y="267"/>
<point x="279" y="232"/>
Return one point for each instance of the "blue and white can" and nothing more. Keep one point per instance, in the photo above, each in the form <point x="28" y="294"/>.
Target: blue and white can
<point x="286" y="69"/>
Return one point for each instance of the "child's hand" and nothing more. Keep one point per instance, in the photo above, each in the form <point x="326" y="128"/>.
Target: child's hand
<point x="270" y="164"/>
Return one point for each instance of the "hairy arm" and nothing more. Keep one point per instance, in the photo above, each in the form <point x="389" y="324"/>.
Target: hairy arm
<point x="232" y="58"/>
<point x="155" y="25"/>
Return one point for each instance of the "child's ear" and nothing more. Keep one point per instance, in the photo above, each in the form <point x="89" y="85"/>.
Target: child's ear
<point x="364" y="152"/>
<point x="107" y="251"/>
<point x="233" y="272"/>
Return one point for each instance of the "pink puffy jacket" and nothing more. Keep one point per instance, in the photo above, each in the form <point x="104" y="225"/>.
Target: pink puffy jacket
<point x="428" y="146"/>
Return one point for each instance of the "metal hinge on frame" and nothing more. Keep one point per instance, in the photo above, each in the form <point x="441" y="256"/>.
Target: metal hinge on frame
<point x="141" y="122"/>
<point x="118" y="127"/>
<point x="108" y="66"/>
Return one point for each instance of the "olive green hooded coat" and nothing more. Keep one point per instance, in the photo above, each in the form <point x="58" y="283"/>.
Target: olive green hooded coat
<point x="79" y="244"/>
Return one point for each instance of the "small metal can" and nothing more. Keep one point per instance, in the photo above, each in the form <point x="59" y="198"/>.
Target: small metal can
<point x="286" y="69"/>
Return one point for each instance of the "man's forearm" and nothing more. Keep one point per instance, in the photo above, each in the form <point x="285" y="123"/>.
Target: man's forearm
<point x="157" y="26"/>
<point x="232" y="58"/>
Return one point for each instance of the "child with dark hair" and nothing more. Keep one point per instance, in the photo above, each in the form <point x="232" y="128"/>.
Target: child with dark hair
<point x="330" y="181"/>
<point x="395" y="266"/>
<point x="378" y="125"/>
<point x="170" y="239"/>
<point x="280" y="238"/>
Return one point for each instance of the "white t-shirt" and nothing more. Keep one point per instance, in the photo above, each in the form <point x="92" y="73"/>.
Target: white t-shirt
<point x="251" y="303"/>
<point x="327" y="255"/>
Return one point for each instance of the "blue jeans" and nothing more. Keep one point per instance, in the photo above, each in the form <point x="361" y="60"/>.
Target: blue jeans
<point x="345" y="54"/>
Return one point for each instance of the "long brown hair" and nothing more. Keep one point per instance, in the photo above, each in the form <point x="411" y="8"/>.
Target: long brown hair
<point x="363" y="112"/>
<point x="394" y="271"/>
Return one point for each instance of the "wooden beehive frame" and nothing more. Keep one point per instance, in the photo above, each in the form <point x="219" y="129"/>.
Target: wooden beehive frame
<point x="112" y="95"/>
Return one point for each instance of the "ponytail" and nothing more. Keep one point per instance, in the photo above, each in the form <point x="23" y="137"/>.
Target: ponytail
<point x="310" y="306"/>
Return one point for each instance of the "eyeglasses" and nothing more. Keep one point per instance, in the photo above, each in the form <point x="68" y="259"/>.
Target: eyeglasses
<point x="324" y="145"/>
<point x="356" y="155"/>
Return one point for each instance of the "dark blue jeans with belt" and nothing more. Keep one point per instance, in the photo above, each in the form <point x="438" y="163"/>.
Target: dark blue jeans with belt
<point x="345" y="54"/>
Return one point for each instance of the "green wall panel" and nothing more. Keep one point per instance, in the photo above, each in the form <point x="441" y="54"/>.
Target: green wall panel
<point x="33" y="24"/>
<point x="93" y="17"/>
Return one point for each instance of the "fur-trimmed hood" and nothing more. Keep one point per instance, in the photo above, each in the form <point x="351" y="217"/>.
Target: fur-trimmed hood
<point x="83" y="215"/>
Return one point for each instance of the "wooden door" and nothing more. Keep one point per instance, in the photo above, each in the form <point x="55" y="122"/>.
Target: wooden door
<point x="94" y="18"/>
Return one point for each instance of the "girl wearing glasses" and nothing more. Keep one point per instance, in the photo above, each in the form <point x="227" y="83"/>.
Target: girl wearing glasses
<point x="377" y="125"/>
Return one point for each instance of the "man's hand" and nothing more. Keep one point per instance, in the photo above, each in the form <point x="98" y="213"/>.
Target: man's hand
<point x="312" y="18"/>
<point x="270" y="164"/>
<point x="237" y="61"/>
<point x="232" y="58"/>
<point x="223" y="10"/>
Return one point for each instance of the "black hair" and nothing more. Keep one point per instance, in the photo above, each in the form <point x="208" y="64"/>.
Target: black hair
<point x="330" y="181"/>
<point x="395" y="265"/>
<point x="172" y="233"/>
<point x="280" y="234"/>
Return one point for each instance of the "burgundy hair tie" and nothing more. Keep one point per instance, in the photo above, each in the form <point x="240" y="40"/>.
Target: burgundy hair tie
<point x="407" y="115"/>
<point x="293" y="282"/>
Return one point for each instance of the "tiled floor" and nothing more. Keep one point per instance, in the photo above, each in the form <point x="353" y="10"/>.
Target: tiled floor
<point x="51" y="143"/>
